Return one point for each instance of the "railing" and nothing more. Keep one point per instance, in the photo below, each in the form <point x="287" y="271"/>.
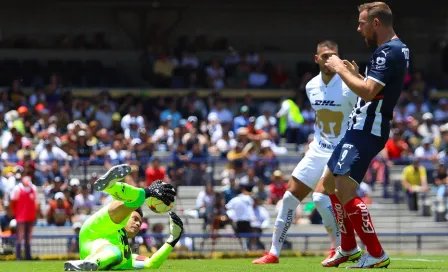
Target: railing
<point x="412" y="242"/>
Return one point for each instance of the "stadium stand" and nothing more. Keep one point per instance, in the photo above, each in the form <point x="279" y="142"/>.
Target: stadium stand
<point x="69" y="110"/>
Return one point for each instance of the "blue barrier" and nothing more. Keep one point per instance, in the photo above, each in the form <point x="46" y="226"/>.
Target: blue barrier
<point x="57" y="244"/>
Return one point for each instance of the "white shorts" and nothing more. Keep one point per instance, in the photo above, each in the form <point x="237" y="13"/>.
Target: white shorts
<point x="311" y="168"/>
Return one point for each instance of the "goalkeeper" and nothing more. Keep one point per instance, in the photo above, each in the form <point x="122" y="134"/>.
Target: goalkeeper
<point x="103" y="239"/>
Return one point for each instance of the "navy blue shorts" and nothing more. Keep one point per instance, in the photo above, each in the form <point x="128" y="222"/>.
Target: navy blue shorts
<point x="354" y="154"/>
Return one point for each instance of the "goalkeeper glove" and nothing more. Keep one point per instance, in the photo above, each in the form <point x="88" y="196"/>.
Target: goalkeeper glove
<point x="161" y="190"/>
<point x="176" y="229"/>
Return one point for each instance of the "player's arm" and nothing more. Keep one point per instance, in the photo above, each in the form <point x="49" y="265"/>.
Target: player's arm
<point x="158" y="258"/>
<point x="366" y="89"/>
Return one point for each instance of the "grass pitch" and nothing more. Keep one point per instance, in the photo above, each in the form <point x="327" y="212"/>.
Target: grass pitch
<point x="398" y="263"/>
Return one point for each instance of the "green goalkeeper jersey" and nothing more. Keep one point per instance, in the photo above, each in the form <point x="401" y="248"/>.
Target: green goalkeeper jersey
<point x="99" y="231"/>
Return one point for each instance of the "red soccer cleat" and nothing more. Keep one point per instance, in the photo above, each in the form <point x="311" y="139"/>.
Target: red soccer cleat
<point x="267" y="258"/>
<point x="330" y="255"/>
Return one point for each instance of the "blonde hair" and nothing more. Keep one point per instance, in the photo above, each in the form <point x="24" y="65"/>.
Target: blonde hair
<point x="379" y="10"/>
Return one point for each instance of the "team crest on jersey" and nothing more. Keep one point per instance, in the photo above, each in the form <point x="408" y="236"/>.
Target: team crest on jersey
<point x="330" y="103"/>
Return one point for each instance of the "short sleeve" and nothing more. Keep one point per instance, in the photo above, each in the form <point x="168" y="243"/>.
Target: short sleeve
<point x="381" y="67"/>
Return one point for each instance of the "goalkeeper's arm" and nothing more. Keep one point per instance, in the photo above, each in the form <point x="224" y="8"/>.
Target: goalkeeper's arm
<point x="158" y="258"/>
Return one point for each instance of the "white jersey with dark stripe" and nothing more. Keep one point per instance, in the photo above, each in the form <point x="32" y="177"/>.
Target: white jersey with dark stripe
<point x="388" y="66"/>
<point x="333" y="103"/>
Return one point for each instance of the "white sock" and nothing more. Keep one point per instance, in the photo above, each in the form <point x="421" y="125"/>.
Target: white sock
<point x="325" y="209"/>
<point x="284" y="220"/>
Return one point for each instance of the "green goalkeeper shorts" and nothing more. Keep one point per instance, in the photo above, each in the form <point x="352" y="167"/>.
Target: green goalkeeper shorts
<point x="99" y="231"/>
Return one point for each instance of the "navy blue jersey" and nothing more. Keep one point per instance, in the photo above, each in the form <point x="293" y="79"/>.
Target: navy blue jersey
<point x="388" y="66"/>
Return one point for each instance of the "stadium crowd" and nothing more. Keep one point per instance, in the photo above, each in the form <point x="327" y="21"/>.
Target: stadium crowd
<point x="49" y="132"/>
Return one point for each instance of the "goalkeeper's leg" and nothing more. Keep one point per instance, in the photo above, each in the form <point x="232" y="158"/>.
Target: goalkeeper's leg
<point x="104" y="256"/>
<point x="111" y="183"/>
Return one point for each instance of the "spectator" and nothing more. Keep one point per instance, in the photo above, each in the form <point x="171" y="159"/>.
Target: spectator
<point x="116" y="155"/>
<point x="215" y="75"/>
<point x="104" y="115"/>
<point x="396" y="148"/>
<point x="265" y="122"/>
<point x="154" y="172"/>
<point x="84" y="148"/>
<point x="277" y="188"/>
<point x="241" y="120"/>
<point x="74" y="188"/>
<point x="42" y="123"/>
<point x="117" y="129"/>
<point x="55" y="186"/>
<point x="250" y="178"/>
<point x="241" y="75"/>
<point x="172" y="115"/>
<point x="279" y="77"/>
<point x="60" y="211"/>
<point x="428" y="129"/>
<point x="132" y="117"/>
<point x="414" y="181"/>
<point x="9" y="157"/>
<point x="73" y="242"/>
<point x="16" y="95"/>
<point x="258" y="79"/>
<point x="197" y="164"/>
<point x="163" y="137"/>
<point x="259" y="222"/>
<point x="205" y="203"/>
<point x="240" y="210"/>
<point x="6" y="219"/>
<point x="223" y="114"/>
<point x="428" y="156"/>
<point x="24" y="206"/>
<point x="84" y="202"/>
<point x="37" y="97"/>
<point x="214" y="128"/>
<point x="51" y="152"/>
<point x="163" y="71"/>
<point x="231" y="188"/>
<point x="441" y="113"/>
<point x="224" y="144"/>
<point x="261" y="192"/>
<point x="132" y="132"/>
<point x="290" y="121"/>
<point x="103" y="145"/>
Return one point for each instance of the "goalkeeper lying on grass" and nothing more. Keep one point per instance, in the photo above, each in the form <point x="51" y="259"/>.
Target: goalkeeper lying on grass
<point x="103" y="239"/>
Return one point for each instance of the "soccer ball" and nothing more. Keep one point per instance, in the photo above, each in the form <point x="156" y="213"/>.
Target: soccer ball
<point x="158" y="206"/>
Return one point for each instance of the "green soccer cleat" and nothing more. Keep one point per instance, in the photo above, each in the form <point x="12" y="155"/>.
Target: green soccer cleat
<point x="114" y="175"/>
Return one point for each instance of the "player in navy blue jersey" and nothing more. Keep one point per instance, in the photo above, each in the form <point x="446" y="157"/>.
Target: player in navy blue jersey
<point x="367" y="132"/>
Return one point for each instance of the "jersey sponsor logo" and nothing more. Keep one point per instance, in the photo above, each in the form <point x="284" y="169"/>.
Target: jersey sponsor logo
<point x="348" y="146"/>
<point x="366" y="225"/>
<point x="385" y="53"/>
<point x="329" y="123"/>
<point x="326" y="145"/>
<point x="287" y="225"/>
<point x="326" y="103"/>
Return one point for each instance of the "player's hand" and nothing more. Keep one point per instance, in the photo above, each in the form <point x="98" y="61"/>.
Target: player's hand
<point x="352" y="67"/>
<point x="163" y="191"/>
<point x="176" y="229"/>
<point x="334" y="63"/>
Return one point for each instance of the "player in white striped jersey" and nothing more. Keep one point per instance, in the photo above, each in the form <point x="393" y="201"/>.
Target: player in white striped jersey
<point x="333" y="102"/>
